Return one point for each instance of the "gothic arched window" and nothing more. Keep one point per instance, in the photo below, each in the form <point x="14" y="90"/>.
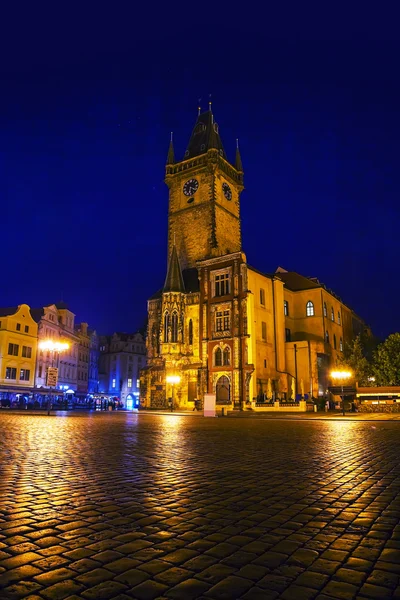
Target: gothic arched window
<point x="218" y="357"/>
<point x="310" y="309"/>
<point x="166" y="327"/>
<point x="227" y="356"/>
<point x="174" y="327"/>
<point x="190" y="332"/>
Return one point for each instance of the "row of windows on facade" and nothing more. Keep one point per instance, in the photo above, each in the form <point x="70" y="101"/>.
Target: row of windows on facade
<point x="13" y="350"/>
<point x="311" y="312"/>
<point x="131" y="348"/>
<point x="83" y="357"/>
<point x="24" y="374"/>
<point x="288" y="338"/>
<point x="129" y="383"/>
<point x="130" y="358"/>
<point x="18" y="327"/>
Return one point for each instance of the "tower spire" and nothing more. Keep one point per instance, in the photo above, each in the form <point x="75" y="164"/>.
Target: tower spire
<point x="238" y="158"/>
<point x="171" y="153"/>
<point x="174" y="279"/>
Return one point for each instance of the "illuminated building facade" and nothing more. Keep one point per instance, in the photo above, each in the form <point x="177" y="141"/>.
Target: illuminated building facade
<point x="93" y="381"/>
<point x="56" y="322"/>
<point x="218" y="324"/>
<point x="18" y="346"/>
<point x="121" y="358"/>
<point x="82" y="374"/>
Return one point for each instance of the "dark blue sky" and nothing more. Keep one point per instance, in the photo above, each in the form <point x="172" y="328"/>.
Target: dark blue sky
<point x="88" y="99"/>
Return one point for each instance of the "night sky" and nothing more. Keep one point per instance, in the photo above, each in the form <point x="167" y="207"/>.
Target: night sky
<point x="87" y="103"/>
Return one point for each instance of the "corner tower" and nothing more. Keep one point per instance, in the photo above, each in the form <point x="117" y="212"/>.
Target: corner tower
<point x="204" y="197"/>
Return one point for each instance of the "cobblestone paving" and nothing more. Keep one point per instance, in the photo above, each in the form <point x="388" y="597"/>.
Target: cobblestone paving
<point x="124" y="506"/>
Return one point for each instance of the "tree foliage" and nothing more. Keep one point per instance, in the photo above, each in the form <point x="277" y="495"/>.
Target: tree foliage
<point x="354" y="359"/>
<point x="386" y="361"/>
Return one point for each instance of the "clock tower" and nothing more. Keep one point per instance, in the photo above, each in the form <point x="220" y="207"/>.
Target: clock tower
<point x="204" y="197"/>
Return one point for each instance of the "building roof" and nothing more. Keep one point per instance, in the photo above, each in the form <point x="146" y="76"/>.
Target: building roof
<point x="296" y="282"/>
<point x="205" y="136"/>
<point x="11" y="310"/>
<point x="174" y="280"/>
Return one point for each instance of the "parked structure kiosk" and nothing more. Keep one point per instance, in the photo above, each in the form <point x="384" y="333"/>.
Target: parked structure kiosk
<point x="209" y="405"/>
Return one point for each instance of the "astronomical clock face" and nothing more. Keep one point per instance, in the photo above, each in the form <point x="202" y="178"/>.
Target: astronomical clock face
<point x="227" y="191"/>
<point x="190" y="187"/>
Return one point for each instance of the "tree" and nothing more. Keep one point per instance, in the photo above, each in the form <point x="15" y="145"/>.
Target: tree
<point x="354" y="359"/>
<point x="386" y="361"/>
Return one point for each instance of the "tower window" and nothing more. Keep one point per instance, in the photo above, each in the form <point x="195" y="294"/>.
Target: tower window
<point x="286" y="308"/>
<point x="310" y="309"/>
<point x="222" y="320"/>
<point x="222" y="286"/>
<point x="190" y="332"/>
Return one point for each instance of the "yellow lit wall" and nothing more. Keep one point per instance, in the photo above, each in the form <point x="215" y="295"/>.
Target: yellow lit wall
<point x="21" y="330"/>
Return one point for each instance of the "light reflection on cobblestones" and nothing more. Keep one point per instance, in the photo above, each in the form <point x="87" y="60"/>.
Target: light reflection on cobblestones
<point x="138" y="506"/>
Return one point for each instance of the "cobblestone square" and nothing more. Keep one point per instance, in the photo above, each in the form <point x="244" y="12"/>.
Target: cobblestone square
<point x="121" y="505"/>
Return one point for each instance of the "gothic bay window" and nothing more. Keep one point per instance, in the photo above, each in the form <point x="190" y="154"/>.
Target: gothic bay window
<point x="174" y="327"/>
<point x="166" y="327"/>
<point x="222" y="284"/>
<point x="218" y="357"/>
<point x="227" y="356"/>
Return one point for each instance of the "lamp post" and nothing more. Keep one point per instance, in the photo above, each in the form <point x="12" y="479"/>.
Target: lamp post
<point x="52" y="377"/>
<point x="173" y="379"/>
<point x="341" y="377"/>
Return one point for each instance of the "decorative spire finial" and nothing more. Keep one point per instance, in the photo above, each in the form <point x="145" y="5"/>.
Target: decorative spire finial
<point x="172" y="135"/>
<point x="237" y="143"/>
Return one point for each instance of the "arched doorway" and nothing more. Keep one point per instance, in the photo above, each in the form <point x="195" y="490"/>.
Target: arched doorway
<point x="223" y="390"/>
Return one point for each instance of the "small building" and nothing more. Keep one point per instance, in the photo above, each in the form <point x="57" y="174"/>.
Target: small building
<point x="93" y="381"/>
<point x="122" y="356"/>
<point x="18" y="346"/>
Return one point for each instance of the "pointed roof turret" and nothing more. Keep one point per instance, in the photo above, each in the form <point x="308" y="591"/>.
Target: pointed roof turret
<point x="174" y="279"/>
<point x="238" y="158"/>
<point x="205" y="135"/>
<point x="171" y="153"/>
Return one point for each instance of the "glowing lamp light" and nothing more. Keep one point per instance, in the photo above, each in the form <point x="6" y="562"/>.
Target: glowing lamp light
<point x="53" y="346"/>
<point x="173" y="379"/>
<point x="341" y="375"/>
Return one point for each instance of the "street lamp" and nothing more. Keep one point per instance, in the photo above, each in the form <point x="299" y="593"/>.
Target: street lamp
<point x="341" y="377"/>
<point x="173" y="380"/>
<point x="52" y="376"/>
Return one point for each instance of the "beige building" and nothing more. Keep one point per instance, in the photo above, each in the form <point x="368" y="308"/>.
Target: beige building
<point x="18" y="345"/>
<point x="218" y="325"/>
